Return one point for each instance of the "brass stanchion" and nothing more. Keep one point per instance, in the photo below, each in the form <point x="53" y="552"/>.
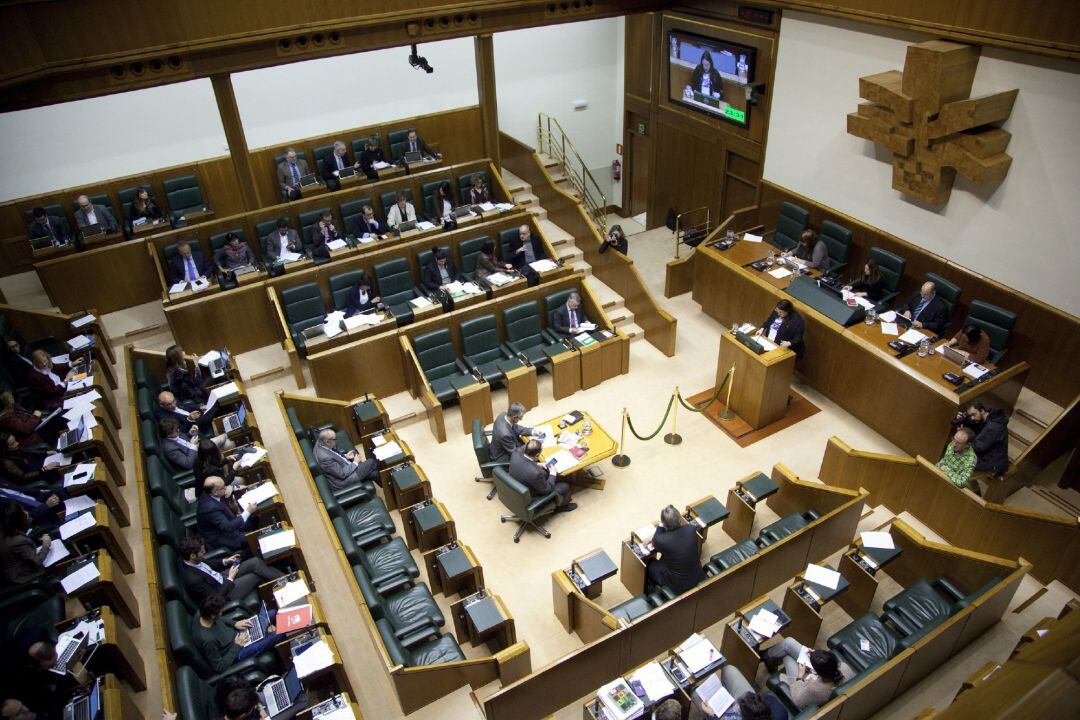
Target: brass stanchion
<point x="673" y="437"/>
<point x="622" y="459"/>
<point x="727" y="413"/>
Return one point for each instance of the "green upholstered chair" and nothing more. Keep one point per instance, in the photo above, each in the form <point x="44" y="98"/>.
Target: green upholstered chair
<point x="195" y="698"/>
<point x="178" y="629"/>
<point x="481" y="445"/>
<point x="630" y="610"/>
<point x="552" y="303"/>
<point x="470" y="252"/>
<point x="399" y="135"/>
<point x="359" y="143"/>
<point x="948" y="292"/>
<point x="303" y="308"/>
<point x="126" y="196"/>
<point x="143" y="378"/>
<point x="996" y="322"/>
<point x="337" y="497"/>
<point x="300" y="155"/>
<point x="218" y="241"/>
<point x="161" y="485"/>
<point x="184" y="201"/>
<point x="838" y="241"/>
<point x="789" y="226"/>
<point x="438" y="649"/>
<point x="386" y="562"/>
<point x="389" y="198"/>
<point x="27" y="608"/>
<point x="367" y="523"/>
<point x="319" y="154"/>
<point x="525" y="335"/>
<point x="182" y="182"/>
<point x="428" y="190"/>
<point x="525" y="508"/>
<point x="341" y="284"/>
<point x="483" y="348"/>
<point x="439" y="363"/>
<point x="397" y="287"/>
<point x="505" y="238"/>
<point x="891" y="267"/>
<point x="397" y="151"/>
<point x="407" y="606"/>
<point x="923" y="606"/>
<point x="732" y="556"/>
<point x="145" y="402"/>
<point x="881" y="642"/>
<point x="350" y="211"/>
<point x="424" y="257"/>
<point x="169" y="529"/>
<point x="465" y="181"/>
<point x="785" y="526"/>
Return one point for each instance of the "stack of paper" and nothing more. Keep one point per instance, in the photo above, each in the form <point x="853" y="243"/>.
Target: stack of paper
<point x="209" y="357"/>
<point x="766" y="343"/>
<point x="76" y="526"/>
<point x="780" y="273"/>
<point x="750" y="237"/>
<point x="425" y="225"/>
<point x="313" y="658"/>
<point x="487" y="207"/>
<point x="499" y="278"/>
<point x="260" y="493"/>
<point x="713" y="694"/>
<point x="764" y="623"/>
<point x="61" y="359"/>
<point x="333" y="328"/>
<point x="336" y="244"/>
<point x="746" y="328"/>
<point x="272" y="543"/>
<point x="57" y="552"/>
<point x="699" y="655"/>
<point x="420" y="302"/>
<point x="389" y="450"/>
<point x="548" y="439"/>
<point x="504" y="206"/>
<point x="619" y="700"/>
<point x="587" y="326"/>
<point x="645" y="535"/>
<point x="84" y="320"/>
<point x="351" y="323"/>
<point x="81" y="384"/>
<point x="380" y="165"/>
<point x="250" y="458"/>
<point x="291" y="592"/>
<point x="890" y="328"/>
<point x="654" y="681"/>
<point x="378" y="440"/>
<point x="85" y="575"/>
<point x="888" y="316"/>
<point x="289" y="256"/>
<point x="221" y="392"/>
<point x="880" y="540"/>
<point x="564" y="462"/>
<point x="199" y="284"/>
<point x="975" y="371"/>
<point x="56" y="460"/>
<point x="455" y="288"/>
<point x="543" y="265"/>
<point x="822" y="576"/>
<point x="77" y="504"/>
<point x="79" y="342"/>
<point x="913" y="337"/>
<point x="471" y="288"/>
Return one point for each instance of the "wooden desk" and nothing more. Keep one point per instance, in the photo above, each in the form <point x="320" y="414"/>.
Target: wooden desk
<point x="565" y="374"/>
<point x="762" y="383"/>
<point x="150" y="227"/>
<point x="266" y="590"/>
<point x="483" y="620"/>
<point x="428" y="311"/>
<point x="592" y="372"/>
<point x="454" y="569"/>
<point x="241" y="317"/>
<point x="421" y="166"/>
<point x="102" y="536"/>
<point x="738" y="645"/>
<point x="742" y="504"/>
<point x="863" y="580"/>
<point x="290" y="557"/>
<point x="601" y="446"/>
<point x="804" y="612"/>
<point x="427" y="526"/>
<point x="117" y="652"/>
<point x="101" y="486"/>
<point x="593" y="568"/>
<point x="705" y="513"/>
<point x="309" y="191"/>
<point x="387" y="465"/>
<point x="408" y="485"/>
<point x="521" y="386"/>
<point x="110" y="588"/>
<point x="333" y="675"/>
<point x="475" y="402"/>
<point x="464" y="300"/>
<point x="117" y="701"/>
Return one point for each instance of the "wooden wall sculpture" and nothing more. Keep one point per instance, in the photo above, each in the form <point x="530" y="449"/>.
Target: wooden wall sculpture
<point x="925" y="117"/>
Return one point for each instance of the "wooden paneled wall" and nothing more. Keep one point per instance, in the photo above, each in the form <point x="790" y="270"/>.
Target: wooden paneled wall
<point x="1044" y="336"/>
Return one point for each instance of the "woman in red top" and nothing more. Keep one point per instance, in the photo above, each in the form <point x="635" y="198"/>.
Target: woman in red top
<point x="973" y="341"/>
<point x="18" y="421"/>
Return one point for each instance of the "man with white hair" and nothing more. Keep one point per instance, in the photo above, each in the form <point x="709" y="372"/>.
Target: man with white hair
<point x="330" y="167"/>
<point x="91" y="214"/>
<point x="506" y="433"/>
<point x="568" y="319"/>
<point x="342" y="469"/>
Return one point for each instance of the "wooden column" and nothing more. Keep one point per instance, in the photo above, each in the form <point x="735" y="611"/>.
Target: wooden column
<point x="485" y="90"/>
<point x="234" y="134"/>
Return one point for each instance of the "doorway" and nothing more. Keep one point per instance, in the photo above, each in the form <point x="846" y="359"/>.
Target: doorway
<point x="638" y="157"/>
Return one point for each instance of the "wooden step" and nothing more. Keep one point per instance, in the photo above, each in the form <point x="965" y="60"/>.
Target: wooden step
<point x="608" y="298"/>
<point x="547" y="161"/>
<point x="536" y="211"/>
<point x="581" y="266"/>
<point x="632" y="331"/>
<point x="513" y="183"/>
<point x="1037" y="422"/>
<point x="526" y="199"/>
<point x="570" y="253"/>
<point x="553" y="231"/>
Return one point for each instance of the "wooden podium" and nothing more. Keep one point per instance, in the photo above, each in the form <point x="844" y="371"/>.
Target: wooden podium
<point x="762" y="382"/>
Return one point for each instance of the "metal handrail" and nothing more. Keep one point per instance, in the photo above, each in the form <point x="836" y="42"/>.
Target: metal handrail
<point x="681" y="227"/>
<point x="552" y="140"/>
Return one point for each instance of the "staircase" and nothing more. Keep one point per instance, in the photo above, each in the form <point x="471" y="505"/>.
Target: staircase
<point x="566" y="249"/>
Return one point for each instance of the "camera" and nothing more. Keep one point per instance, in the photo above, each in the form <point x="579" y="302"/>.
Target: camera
<point x="418" y="61"/>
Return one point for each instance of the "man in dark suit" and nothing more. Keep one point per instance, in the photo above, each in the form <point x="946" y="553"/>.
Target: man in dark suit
<point x="334" y="163"/>
<point x="283" y="239"/>
<point x="506" y="433"/>
<point x="568" y="319"/>
<point x="229" y="577"/>
<point x="289" y="172"/>
<point x="189" y="263"/>
<point x="179" y="450"/>
<point x="91" y="214"/>
<point x="679" y="564"/>
<point x="528" y="469"/>
<point x="216" y="519"/>
<point x="415" y="143"/>
<point x="785" y="327"/>
<point x="44" y="226"/>
<point x="525" y="249"/>
<point x="367" y="225"/>
<point x="440" y="272"/>
<point x="926" y="310"/>
<point x="370" y="155"/>
<point x="343" y="469"/>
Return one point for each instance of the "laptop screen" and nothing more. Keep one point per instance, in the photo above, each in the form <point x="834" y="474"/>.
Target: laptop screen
<point x="292" y="684"/>
<point x="241" y="414"/>
<point x="95" y="699"/>
<point x="264" y="616"/>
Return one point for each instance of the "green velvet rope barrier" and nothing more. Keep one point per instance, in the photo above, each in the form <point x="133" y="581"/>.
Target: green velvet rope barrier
<point x="707" y="405"/>
<point x="658" y="429"/>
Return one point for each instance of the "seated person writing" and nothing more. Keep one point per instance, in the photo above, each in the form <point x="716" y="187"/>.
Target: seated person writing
<point x="811" y="675"/>
<point x="748" y="704"/>
<point x="323" y="232"/>
<point x="223" y="645"/>
<point x="144" y="207"/>
<point x="230" y="577"/>
<point x="234" y="254"/>
<point x="402" y="211"/>
<point x="487" y="263"/>
<point x="47" y="387"/>
<point x="525" y="249"/>
<point x="870" y="285"/>
<point x="189" y="264"/>
<point x="958" y="462"/>
<point x="440" y="272"/>
<point x="814" y="254"/>
<point x="334" y="163"/>
<point x="616" y="240"/>
<point x="368" y="226"/>
<point x="359" y="298"/>
<point x="973" y="342"/>
<point x="415" y="143"/>
<point x="506" y="433"/>
<point x="444" y="201"/>
<point x="926" y="310"/>
<point x="478" y="192"/>
<point x="283" y="240"/>
<point x="568" y="319"/>
<point x="343" y="469"/>
<point x="678" y="565"/>
<point x="43" y="226"/>
<point x="370" y="155"/>
<point x="90" y="214"/>
<point x="785" y="327"/>
<point x="217" y="519"/>
<point x="289" y="172"/>
<point x="527" y="467"/>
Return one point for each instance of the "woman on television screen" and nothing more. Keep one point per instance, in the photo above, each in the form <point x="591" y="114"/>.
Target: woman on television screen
<point x="706" y="80"/>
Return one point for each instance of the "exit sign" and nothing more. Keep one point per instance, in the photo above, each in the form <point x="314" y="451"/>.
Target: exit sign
<point x="641" y="128"/>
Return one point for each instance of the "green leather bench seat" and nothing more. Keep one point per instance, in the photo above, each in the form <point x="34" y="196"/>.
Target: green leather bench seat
<point x="483" y="348"/>
<point x="638" y="605"/>
<point x="439" y="363"/>
<point x="353" y="493"/>
<point x="923" y="606"/>
<point x="368" y="523"/>
<point x="525" y="335"/>
<point x="408" y="607"/>
<point x="732" y="556"/>
<point x="438" y="650"/>
<point x="178" y="629"/>
<point x="785" y="526"/>
<point x="783" y="691"/>
<point x="789" y="226"/>
<point x="883" y="641"/>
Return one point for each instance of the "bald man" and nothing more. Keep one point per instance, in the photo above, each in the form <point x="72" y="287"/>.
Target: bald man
<point x="187" y="415"/>
<point x="524" y="249"/>
<point x="91" y="214"/>
<point x="217" y="519"/>
<point x="926" y="310"/>
<point x="47" y="381"/>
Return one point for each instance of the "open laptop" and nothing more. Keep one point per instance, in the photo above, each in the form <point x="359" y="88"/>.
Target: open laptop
<point x="259" y="623"/>
<point x="92" y="230"/>
<point x="72" y="437"/>
<point x="309" y="180"/>
<point x="236" y="420"/>
<point x="406" y="226"/>
<point x="279" y="694"/>
<point x="412" y="157"/>
<point x="87" y="705"/>
<point x="219" y="365"/>
<point x="463" y="211"/>
<point x="312" y="332"/>
<point x="954" y="356"/>
<point x="243" y="270"/>
<point x="346" y="172"/>
<point x="68" y="651"/>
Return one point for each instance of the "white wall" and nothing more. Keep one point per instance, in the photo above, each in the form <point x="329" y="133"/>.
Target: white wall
<point x="545" y="69"/>
<point x="1021" y="232"/>
<point x="86" y="141"/>
<point x="316" y="97"/>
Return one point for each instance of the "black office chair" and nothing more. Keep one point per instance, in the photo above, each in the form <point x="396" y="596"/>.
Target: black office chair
<point x="518" y="499"/>
<point x="481" y="443"/>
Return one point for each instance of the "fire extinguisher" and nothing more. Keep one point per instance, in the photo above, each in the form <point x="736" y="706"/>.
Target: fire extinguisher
<point x="616" y="171"/>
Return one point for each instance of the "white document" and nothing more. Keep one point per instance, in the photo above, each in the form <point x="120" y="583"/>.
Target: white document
<point x="700" y="655"/>
<point x="89" y="422"/>
<point x="881" y="540"/>
<point x="56" y="460"/>
<point x="913" y="337"/>
<point x="975" y="371"/>
<point x="764" y="623"/>
<point x="269" y="544"/>
<point x="378" y="440"/>
<point x="471" y="288"/>
<point x="84" y="400"/>
<point x="84" y="320"/>
<point x="564" y="462"/>
<point x="487" y="207"/>
<point x="549" y="435"/>
<point x="654" y="681"/>
<point x="290" y="593"/>
<point x="316" y="657"/>
<point x="209" y="357"/>
<point x="804" y="658"/>
<point x="389" y="450"/>
<point x="620" y="686"/>
<point x="889" y="328"/>
<point x="57" y="552"/>
<point x="289" y="256"/>
<point x="220" y="393"/>
<point x="780" y="273"/>
<point x="425" y="225"/>
<point x="199" y="284"/>
<point x="750" y="237"/>
<point x="420" y="302"/>
<point x="85" y="575"/>
<point x="81" y="384"/>
<point x="76" y="526"/>
<point x="332" y="328"/>
<point x="543" y="265"/>
<point x="499" y="278"/>
<point x="78" y="342"/>
<point x="746" y="328"/>
<point x="77" y="504"/>
<point x="766" y="343"/>
<point x="250" y="458"/>
<point x="889" y="316"/>
<point x="690" y="642"/>
<point x="367" y="238"/>
<point x="587" y="326"/>
<point x="864" y="303"/>
<point x="380" y="165"/>
<point x="336" y="244"/>
<point x="352" y="323"/>
<point x="713" y="694"/>
<point x="259" y="493"/>
<point x="822" y="576"/>
<point x="645" y="533"/>
<point x="455" y="287"/>
<point x="61" y="359"/>
<point x="504" y="206"/>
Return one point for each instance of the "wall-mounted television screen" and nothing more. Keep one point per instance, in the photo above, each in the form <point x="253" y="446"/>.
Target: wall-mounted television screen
<point x="710" y="76"/>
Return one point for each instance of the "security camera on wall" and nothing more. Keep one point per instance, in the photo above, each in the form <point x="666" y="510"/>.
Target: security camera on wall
<point x="420" y="62"/>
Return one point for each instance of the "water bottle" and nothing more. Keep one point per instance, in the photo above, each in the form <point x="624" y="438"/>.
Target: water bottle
<point x="730" y="235"/>
<point x="924" y="347"/>
<point x="871" y="316"/>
